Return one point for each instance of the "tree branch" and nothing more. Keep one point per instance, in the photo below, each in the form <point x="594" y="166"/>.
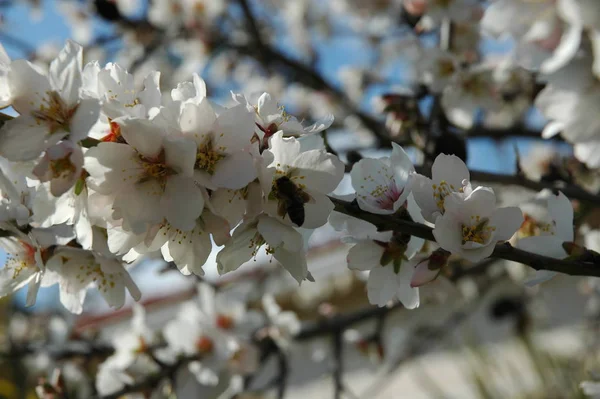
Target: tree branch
<point x="570" y="190"/>
<point x="502" y="251"/>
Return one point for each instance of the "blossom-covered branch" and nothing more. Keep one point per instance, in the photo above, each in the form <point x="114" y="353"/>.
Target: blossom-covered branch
<point x="504" y="250"/>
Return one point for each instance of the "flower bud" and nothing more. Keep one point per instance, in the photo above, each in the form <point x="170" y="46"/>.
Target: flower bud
<point x="428" y="269"/>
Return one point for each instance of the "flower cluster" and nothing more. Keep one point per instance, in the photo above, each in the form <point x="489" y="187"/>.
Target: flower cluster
<point x="129" y="173"/>
<point x="209" y="334"/>
<point x="467" y="222"/>
<point x="116" y="174"/>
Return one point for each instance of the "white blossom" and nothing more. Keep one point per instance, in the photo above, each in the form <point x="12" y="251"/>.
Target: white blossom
<point x="472" y="225"/>
<point x="449" y="175"/>
<point x="296" y="183"/>
<point x="545" y="232"/>
<point x="381" y="185"/>
<point x="50" y="107"/>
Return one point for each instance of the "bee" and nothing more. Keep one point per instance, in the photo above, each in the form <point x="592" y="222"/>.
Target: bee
<point x="291" y="200"/>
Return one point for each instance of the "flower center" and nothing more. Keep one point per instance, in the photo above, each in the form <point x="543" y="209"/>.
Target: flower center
<point x="156" y="169"/>
<point x="21" y="261"/>
<point x="142" y="347"/>
<point x="54" y="113"/>
<point x="224" y="321"/>
<point x="204" y="345"/>
<point x="440" y="192"/>
<point x="62" y="167"/>
<point x="394" y="251"/>
<point x="479" y="232"/>
<point x="132" y="104"/>
<point x="207" y="157"/>
<point x="533" y="227"/>
<point x="386" y="196"/>
<point x="114" y="135"/>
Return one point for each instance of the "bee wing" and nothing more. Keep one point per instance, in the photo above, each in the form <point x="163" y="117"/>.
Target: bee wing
<point x="307" y="199"/>
<point x="282" y="208"/>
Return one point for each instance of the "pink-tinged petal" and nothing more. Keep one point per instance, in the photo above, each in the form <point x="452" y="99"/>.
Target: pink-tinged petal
<point x="561" y="210"/>
<point x="84" y="118"/>
<point x="506" y="221"/>
<point x="407" y="294"/>
<point x="182" y="202"/>
<point x="197" y="120"/>
<point x="23" y="139"/>
<point x="451" y="169"/>
<point x="376" y="191"/>
<point x="382" y="285"/>
<point x="180" y="154"/>
<point x="143" y="135"/>
<point x="234" y="171"/>
<point x="65" y="72"/>
<point x="365" y="255"/>
<point x="234" y="129"/>
<point x="318" y="170"/>
<point x="422" y="274"/>
<point x="29" y="86"/>
<point x="550" y="246"/>
<point x="540" y="276"/>
<point x="448" y="234"/>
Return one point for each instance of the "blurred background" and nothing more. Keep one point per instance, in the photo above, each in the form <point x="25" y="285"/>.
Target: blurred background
<point x="479" y="332"/>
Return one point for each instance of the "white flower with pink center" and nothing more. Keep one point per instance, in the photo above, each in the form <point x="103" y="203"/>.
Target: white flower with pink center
<point x="381" y="184"/>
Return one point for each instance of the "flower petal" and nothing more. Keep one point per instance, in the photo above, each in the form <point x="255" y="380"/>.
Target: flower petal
<point x="382" y="285"/>
<point x="235" y="171"/>
<point x="182" y="202"/>
<point x="506" y="221"/>
<point x="23" y="139"/>
<point x="365" y="255"/>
